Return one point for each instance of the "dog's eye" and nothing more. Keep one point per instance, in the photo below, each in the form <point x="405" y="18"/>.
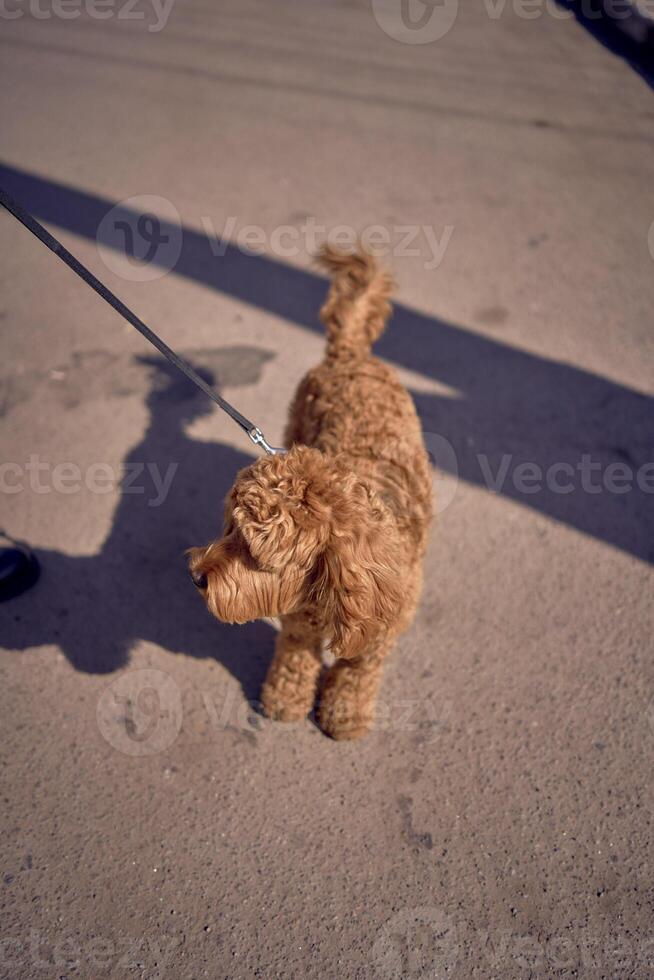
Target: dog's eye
<point x="199" y="580"/>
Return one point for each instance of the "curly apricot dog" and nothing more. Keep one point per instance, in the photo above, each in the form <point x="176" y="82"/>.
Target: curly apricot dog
<point x="330" y="535"/>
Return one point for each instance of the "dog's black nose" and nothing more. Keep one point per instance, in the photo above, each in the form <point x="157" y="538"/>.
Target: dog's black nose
<point x="199" y="580"/>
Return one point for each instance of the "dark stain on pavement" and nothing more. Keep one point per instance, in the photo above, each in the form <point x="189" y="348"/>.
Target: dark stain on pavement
<point x="493" y="316"/>
<point x="101" y="375"/>
<point x="415" y="838"/>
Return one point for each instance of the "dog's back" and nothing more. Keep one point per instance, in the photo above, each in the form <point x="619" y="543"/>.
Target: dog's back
<point x="354" y="405"/>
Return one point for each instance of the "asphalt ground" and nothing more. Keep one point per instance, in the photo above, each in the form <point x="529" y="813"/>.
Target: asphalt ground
<point x="498" y="821"/>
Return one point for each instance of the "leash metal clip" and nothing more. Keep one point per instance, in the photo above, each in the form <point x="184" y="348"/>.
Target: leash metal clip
<point x="258" y="438"/>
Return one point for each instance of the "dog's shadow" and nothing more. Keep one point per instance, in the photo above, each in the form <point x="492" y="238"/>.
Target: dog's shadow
<point x="137" y="587"/>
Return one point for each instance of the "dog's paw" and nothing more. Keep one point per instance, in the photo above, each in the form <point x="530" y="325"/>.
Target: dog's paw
<point x="279" y="708"/>
<point x="342" y="722"/>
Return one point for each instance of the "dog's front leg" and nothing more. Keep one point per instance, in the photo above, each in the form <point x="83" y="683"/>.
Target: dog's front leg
<point x="349" y="694"/>
<point x="289" y="690"/>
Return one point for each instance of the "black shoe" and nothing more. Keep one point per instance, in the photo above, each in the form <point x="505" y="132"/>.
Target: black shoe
<point x="19" y="569"/>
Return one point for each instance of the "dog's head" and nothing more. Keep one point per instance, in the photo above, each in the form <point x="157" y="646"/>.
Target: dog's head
<point x="301" y="530"/>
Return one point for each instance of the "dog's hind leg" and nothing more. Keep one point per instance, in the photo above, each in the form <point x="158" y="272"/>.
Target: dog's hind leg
<point x="289" y="690"/>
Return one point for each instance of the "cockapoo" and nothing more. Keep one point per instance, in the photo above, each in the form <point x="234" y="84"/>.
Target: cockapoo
<point x="330" y="535"/>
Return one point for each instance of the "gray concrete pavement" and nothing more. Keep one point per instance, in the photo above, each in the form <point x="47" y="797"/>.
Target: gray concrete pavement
<point x="498" y="823"/>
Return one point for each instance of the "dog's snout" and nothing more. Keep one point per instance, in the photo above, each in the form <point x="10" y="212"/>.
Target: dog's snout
<point x="199" y="580"/>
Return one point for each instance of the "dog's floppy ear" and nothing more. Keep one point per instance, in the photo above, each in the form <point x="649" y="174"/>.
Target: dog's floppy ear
<point x="264" y="522"/>
<point x="279" y="505"/>
<point x="357" y="584"/>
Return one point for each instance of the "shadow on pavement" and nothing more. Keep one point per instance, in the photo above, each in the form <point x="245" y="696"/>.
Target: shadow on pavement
<point x="137" y="587"/>
<point x="598" y="17"/>
<point x="509" y="408"/>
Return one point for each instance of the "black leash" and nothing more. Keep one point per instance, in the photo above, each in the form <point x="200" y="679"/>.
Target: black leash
<point x="25" y="218"/>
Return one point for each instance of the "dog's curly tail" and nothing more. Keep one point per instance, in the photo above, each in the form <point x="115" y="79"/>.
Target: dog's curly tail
<point x="357" y="306"/>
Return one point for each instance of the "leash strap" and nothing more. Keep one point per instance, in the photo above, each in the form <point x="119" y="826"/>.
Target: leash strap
<point x="26" y="219"/>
